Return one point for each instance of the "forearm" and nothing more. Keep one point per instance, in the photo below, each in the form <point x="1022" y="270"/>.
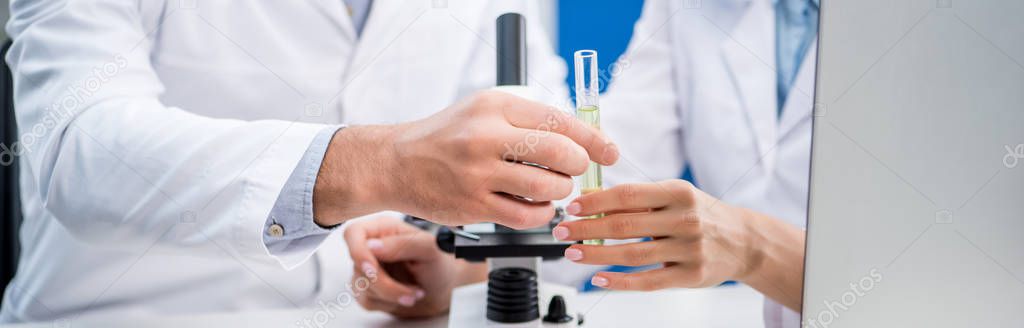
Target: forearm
<point x="777" y="261"/>
<point x="349" y="183"/>
<point x="145" y="171"/>
<point x="116" y="165"/>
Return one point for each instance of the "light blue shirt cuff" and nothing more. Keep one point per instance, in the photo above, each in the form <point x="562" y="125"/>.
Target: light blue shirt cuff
<point x="290" y="233"/>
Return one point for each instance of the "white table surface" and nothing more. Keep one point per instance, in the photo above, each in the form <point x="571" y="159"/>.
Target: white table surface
<point x="730" y="306"/>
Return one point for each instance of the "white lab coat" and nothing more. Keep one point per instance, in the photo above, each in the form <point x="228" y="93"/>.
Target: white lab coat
<point x="696" y="87"/>
<point x="161" y="132"/>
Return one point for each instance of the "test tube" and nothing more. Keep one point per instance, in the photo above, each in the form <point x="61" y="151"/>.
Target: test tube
<point x="587" y="92"/>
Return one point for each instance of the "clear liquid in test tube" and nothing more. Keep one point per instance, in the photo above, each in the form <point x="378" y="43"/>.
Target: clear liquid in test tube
<point x="588" y="111"/>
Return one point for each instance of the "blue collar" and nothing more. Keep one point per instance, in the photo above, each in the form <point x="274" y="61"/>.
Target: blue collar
<point x="817" y="3"/>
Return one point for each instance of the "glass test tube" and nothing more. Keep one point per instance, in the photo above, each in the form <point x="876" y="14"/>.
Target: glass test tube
<point x="587" y="92"/>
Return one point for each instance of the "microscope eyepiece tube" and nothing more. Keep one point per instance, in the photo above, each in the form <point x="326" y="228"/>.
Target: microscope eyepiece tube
<point x="511" y="35"/>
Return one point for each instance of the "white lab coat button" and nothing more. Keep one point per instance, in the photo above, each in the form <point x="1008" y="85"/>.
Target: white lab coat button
<point x="275" y="230"/>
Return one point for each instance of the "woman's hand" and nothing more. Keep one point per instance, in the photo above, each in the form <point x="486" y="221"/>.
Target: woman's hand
<point x="699" y="241"/>
<point x="409" y="276"/>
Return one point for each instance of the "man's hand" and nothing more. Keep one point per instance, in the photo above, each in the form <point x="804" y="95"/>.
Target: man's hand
<point x="462" y="165"/>
<point x="413" y="277"/>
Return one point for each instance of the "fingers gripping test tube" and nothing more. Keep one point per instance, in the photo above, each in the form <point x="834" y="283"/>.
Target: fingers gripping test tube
<point x="587" y="111"/>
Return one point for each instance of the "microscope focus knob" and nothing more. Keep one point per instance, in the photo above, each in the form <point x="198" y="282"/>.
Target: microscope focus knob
<point x="557" y="312"/>
<point x="446" y="239"/>
<point x="512" y="295"/>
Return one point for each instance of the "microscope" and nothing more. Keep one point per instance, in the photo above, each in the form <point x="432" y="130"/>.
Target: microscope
<point x="514" y="294"/>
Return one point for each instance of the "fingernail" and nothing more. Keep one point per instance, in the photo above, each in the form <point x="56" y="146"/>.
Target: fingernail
<point x="573" y="208"/>
<point x="560" y="233"/>
<point x="610" y="154"/>
<point x="420" y="294"/>
<point x="368" y="269"/>
<point x="573" y="254"/>
<point x="599" y="281"/>
<point x="374" y="244"/>
<point x="407" y="300"/>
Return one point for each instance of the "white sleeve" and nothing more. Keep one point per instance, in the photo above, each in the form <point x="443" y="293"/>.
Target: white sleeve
<point x="114" y="165"/>
<point x="640" y="110"/>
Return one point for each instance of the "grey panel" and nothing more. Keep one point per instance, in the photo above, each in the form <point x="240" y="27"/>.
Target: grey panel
<point x="916" y="207"/>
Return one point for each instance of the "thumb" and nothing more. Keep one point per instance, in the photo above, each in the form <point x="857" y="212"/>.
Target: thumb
<point x="419" y="246"/>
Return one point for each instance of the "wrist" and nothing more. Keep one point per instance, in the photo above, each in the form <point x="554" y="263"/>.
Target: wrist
<point x="753" y="245"/>
<point x="774" y="260"/>
<point x="349" y="183"/>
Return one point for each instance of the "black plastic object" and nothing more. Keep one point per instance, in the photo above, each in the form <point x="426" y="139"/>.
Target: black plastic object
<point x="446" y="239"/>
<point x="512" y="295"/>
<point x="10" y="198"/>
<point x="419" y="223"/>
<point x="557" y="312"/>
<point x="559" y="217"/>
<point x="511" y="35"/>
<point x="504" y="242"/>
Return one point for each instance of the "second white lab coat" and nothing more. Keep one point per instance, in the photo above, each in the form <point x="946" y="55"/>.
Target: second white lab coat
<point x="159" y="134"/>
<point x="696" y="87"/>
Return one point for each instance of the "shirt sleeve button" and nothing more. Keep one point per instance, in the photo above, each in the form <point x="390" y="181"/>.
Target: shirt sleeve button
<point x="275" y="230"/>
